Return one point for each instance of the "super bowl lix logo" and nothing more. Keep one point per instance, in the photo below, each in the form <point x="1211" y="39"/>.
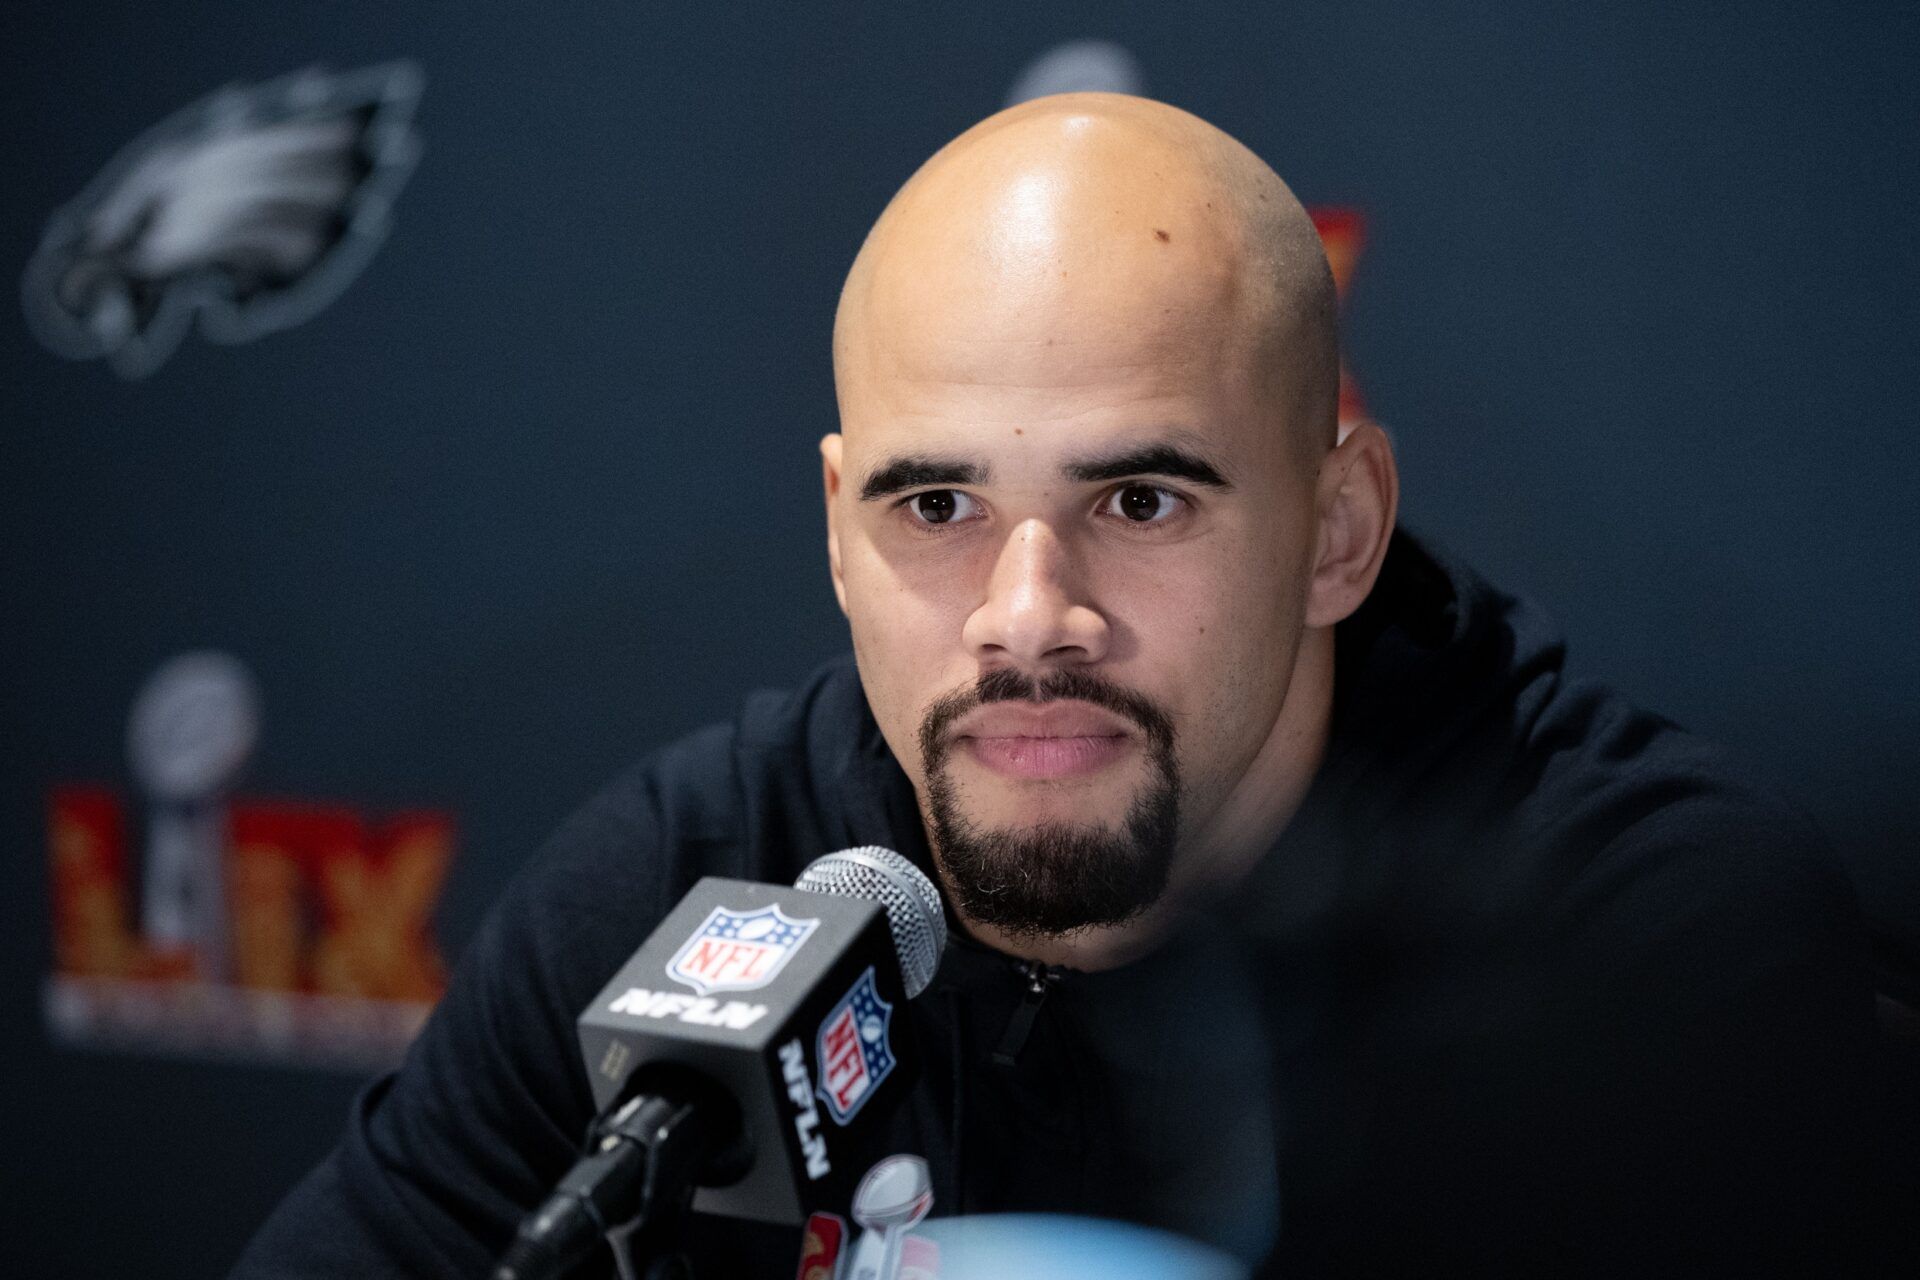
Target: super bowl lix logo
<point x="739" y="950"/>
<point x="266" y="929"/>
<point x="853" y="1049"/>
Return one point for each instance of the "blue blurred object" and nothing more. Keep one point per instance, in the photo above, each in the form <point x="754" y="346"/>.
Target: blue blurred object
<point x="1014" y="1246"/>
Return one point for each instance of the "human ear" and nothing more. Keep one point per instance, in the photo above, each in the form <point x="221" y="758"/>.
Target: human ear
<point x="830" y="479"/>
<point x="1358" y="496"/>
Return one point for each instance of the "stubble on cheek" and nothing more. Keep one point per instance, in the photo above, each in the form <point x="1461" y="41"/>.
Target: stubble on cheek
<point x="891" y="673"/>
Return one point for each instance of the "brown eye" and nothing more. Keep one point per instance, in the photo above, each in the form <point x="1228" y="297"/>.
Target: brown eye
<point x="1143" y="503"/>
<point x="939" y="506"/>
<point x="1138" y="502"/>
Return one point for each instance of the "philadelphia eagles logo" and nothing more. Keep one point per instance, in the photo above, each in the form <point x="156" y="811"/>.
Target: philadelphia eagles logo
<point x="253" y="208"/>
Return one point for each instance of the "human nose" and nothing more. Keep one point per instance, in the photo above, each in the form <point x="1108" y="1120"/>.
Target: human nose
<point x="1035" y="611"/>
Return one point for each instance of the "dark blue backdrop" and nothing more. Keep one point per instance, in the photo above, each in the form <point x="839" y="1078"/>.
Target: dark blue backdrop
<point x="539" y="490"/>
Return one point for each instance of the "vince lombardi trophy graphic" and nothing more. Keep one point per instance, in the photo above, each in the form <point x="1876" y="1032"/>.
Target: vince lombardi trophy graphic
<point x="193" y="726"/>
<point x="889" y="1202"/>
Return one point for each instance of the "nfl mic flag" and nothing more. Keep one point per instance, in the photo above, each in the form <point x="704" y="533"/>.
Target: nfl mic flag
<point x="789" y="1000"/>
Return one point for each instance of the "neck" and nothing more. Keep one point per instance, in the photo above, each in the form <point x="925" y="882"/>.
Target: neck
<point x="1221" y="852"/>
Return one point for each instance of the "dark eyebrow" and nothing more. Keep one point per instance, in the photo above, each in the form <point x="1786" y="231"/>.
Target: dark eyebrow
<point x="1153" y="459"/>
<point x="914" y="470"/>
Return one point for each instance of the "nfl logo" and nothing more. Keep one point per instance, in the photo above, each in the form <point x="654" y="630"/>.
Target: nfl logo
<point x="853" y="1050"/>
<point x="739" y="950"/>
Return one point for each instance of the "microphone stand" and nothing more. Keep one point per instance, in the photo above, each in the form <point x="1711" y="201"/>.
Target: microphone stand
<point x="647" y="1246"/>
<point x="633" y="1187"/>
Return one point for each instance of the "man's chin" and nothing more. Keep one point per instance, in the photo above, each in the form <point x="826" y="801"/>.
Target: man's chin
<point x="1055" y="866"/>
<point x="1049" y="879"/>
<point x="1047" y="833"/>
<point x="1022" y="813"/>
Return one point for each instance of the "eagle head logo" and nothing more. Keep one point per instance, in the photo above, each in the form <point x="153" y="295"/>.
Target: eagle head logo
<point x="253" y="208"/>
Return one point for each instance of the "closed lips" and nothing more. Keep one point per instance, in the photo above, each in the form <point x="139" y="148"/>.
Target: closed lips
<point x="1066" y="720"/>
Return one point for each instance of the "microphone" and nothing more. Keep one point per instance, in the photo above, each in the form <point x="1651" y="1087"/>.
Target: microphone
<point x="743" y="1055"/>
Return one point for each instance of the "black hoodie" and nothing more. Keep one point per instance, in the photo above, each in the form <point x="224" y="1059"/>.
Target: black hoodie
<point x="1533" y="983"/>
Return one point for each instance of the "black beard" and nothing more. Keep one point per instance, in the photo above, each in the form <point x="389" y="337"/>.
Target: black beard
<point x="1055" y="878"/>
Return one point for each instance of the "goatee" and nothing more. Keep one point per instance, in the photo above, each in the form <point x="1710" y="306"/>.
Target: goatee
<point x="1054" y="878"/>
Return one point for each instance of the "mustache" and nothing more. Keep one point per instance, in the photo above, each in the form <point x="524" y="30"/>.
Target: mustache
<point x="1010" y="685"/>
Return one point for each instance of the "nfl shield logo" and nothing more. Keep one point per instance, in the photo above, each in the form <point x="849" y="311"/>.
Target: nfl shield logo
<point x="739" y="950"/>
<point x="853" y="1049"/>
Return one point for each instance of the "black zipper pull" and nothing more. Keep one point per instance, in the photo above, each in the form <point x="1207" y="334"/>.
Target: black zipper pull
<point x="1014" y="1038"/>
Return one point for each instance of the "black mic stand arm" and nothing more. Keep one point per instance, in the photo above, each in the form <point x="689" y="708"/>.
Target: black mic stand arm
<point x="634" y="1188"/>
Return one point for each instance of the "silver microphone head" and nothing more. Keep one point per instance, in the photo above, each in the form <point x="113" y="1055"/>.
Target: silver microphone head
<point x="912" y="903"/>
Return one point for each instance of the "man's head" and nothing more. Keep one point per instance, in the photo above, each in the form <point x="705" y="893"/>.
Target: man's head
<point x="1086" y="512"/>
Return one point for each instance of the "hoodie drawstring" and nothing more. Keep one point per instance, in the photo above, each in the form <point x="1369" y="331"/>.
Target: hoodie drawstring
<point x="1038" y="978"/>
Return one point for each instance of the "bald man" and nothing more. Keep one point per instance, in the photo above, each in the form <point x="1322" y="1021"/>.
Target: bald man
<point x="1301" y="903"/>
<point x="1086" y="515"/>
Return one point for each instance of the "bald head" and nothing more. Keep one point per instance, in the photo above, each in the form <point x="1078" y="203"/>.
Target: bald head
<point x="1066" y="236"/>
<point x="1087" y="462"/>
